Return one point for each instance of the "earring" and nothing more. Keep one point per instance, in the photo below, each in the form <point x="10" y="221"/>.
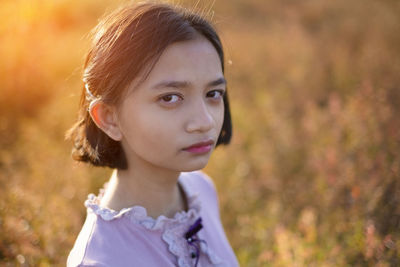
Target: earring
<point x="90" y="97"/>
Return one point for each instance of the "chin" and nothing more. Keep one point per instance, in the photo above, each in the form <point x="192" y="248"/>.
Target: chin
<point x="194" y="166"/>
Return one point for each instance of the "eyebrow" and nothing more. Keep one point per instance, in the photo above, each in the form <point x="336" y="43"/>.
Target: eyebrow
<point x="185" y="84"/>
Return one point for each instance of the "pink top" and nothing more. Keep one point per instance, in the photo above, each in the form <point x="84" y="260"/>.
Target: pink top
<point x="131" y="238"/>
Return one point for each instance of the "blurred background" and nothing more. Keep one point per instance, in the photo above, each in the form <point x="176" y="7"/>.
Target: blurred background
<point x="311" y="177"/>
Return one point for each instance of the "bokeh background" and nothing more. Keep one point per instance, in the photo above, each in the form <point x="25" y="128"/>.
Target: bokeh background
<point x="312" y="175"/>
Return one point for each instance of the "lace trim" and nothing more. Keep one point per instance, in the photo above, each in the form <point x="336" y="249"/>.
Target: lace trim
<point x="173" y="228"/>
<point x="138" y="214"/>
<point x="178" y="246"/>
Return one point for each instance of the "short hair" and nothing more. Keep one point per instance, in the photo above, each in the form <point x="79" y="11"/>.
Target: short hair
<point x="124" y="43"/>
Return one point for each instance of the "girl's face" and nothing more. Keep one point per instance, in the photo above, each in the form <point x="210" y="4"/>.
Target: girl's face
<point x="179" y="105"/>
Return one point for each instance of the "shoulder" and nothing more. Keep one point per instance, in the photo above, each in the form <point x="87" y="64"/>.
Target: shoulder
<point x="198" y="181"/>
<point x="100" y="241"/>
<point x="199" y="178"/>
<point x="78" y="253"/>
<point x="116" y="241"/>
<point x="197" y="184"/>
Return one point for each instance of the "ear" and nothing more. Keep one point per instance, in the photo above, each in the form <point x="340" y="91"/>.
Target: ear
<point x="105" y="118"/>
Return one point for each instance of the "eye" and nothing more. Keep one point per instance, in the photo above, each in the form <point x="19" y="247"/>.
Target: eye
<point x="170" y="98"/>
<point x="216" y="94"/>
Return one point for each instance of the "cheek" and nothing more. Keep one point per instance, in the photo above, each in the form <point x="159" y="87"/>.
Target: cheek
<point x="151" y="131"/>
<point x="219" y="117"/>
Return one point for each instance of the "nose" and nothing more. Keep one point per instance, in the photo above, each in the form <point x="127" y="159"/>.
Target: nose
<point x="200" y="119"/>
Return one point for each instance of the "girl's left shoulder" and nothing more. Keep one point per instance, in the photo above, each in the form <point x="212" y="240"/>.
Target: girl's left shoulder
<point x="199" y="183"/>
<point x="203" y="178"/>
<point x="198" y="178"/>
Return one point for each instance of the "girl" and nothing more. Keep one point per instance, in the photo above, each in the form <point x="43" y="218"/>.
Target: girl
<point x="154" y="107"/>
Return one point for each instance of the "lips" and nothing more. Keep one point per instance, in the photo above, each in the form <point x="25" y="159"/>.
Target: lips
<point x="201" y="147"/>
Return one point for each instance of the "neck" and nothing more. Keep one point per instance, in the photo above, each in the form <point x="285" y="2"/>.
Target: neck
<point x="156" y="190"/>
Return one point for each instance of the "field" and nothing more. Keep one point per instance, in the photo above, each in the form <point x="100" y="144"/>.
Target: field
<point x="312" y="176"/>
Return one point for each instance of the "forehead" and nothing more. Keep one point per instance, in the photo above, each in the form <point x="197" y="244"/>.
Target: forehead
<point x="194" y="61"/>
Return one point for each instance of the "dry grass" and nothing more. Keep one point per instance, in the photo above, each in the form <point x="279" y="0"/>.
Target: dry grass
<point x="312" y="175"/>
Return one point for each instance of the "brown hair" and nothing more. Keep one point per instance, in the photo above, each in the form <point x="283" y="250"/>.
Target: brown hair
<point x="124" y="43"/>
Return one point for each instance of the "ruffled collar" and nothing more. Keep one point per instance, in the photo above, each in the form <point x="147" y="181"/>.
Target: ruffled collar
<point x="138" y="214"/>
<point x="173" y="229"/>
